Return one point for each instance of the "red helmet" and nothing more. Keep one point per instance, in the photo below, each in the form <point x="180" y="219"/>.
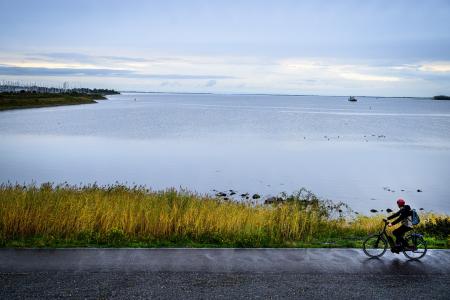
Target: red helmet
<point x="400" y="202"/>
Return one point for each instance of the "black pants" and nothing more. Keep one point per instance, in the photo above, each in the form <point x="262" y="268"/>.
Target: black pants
<point x="399" y="233"/>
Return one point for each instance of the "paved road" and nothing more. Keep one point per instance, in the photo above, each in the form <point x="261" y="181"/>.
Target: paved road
<point x="220" y="273"/>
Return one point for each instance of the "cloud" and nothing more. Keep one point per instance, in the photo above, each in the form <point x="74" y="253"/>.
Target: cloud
<point x="440" y="67"/>
<point x="39" y="71"/>
<point x="182" y="76"/>
<point x="170" y="84"/>
<point x="124" y="58"/>
<point x="211" y="83"/>
<point x="83" y="58"/>
<point x="430" y="67"/>
<point x="36" y="71"/>
<point x="335" y="71"/>
<point x="369" y="77"/>
<point x="304" y="65"/>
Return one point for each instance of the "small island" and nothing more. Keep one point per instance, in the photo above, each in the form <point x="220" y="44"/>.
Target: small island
<point x="19" y="97"/>
<point x="441" y="97"/>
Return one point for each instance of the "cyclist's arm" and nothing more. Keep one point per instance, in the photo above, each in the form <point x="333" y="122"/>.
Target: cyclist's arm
<point x="399" y="219"/>
<point x="394" y="215"/>
<point x="403" y="213"/>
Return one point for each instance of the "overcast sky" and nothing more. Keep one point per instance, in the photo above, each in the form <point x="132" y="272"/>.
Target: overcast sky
<point x="383" y="47"/>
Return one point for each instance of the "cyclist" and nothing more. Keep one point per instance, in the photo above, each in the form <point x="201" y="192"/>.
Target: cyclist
<point x="404" y="216"/>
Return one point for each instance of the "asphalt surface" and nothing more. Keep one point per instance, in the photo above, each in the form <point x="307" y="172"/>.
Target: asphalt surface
<point x="220" y="273"/>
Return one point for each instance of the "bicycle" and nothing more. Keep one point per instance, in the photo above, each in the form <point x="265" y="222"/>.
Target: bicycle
<point x="376" y="245"/>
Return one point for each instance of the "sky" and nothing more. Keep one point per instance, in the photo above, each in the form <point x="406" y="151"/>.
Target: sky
<point x="376" y="48"/>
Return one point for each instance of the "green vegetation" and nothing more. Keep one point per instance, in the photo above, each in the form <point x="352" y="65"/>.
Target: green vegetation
<point x="33" y="100"/>
<point x="120" y="216"/>
<point x="441" y="97"/>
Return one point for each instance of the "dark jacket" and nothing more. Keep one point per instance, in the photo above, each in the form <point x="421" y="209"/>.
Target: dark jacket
<point x="404" y="216"/>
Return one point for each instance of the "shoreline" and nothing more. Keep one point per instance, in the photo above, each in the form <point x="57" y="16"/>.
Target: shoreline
<point x="16" y="101"/>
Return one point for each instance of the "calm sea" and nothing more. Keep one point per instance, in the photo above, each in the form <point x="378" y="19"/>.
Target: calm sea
<point x="366" y="154"/>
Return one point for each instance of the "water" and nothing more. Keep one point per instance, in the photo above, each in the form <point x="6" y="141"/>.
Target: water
<point x="362" y="153"/>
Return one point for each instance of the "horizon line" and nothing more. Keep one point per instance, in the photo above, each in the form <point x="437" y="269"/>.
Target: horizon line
<point x="269" y="94"/>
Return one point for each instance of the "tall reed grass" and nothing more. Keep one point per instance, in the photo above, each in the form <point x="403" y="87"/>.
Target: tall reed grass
<point x="125" y="216"/>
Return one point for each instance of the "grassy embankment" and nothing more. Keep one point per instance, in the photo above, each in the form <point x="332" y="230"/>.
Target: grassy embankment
<point x="117" y="216"/>
<point x="33" y="100"/>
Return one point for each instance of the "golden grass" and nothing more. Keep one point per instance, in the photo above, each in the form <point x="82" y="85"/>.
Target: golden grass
<point x="118" y="214"/>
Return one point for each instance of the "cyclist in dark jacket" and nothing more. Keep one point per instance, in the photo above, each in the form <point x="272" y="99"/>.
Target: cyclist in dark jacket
<point x="403" y="215"/>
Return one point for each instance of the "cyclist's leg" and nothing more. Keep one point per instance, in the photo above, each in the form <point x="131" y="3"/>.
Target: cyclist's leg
<point x="399" y="235"/>
<point x="395" y="247"/>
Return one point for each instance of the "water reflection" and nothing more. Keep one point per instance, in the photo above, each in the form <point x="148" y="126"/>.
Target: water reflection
<point x="388" y="265"/>
<point x="350" y="172"/>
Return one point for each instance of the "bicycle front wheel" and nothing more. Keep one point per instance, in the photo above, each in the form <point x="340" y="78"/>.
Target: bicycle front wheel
<point x="417" y="246"/>
<point x="375" y="246"/>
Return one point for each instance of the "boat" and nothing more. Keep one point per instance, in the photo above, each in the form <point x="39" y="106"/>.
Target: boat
<point x="352" y="99"/>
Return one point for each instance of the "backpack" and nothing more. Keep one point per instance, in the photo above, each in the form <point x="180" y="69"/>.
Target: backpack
<point x="415" y="219"/>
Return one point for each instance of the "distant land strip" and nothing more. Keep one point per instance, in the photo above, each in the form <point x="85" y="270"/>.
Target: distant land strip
<point x="27" y="99"/>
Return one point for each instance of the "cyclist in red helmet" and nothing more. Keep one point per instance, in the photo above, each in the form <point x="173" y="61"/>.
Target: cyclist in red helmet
<point x="403" y="216"/>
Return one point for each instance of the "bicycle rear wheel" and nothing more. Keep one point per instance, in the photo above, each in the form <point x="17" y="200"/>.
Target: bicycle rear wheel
<point x="375" y="246"/>
<point x="417" y="246"/>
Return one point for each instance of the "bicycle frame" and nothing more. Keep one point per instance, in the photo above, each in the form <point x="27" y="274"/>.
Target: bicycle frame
<point x="389" y="238"/>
